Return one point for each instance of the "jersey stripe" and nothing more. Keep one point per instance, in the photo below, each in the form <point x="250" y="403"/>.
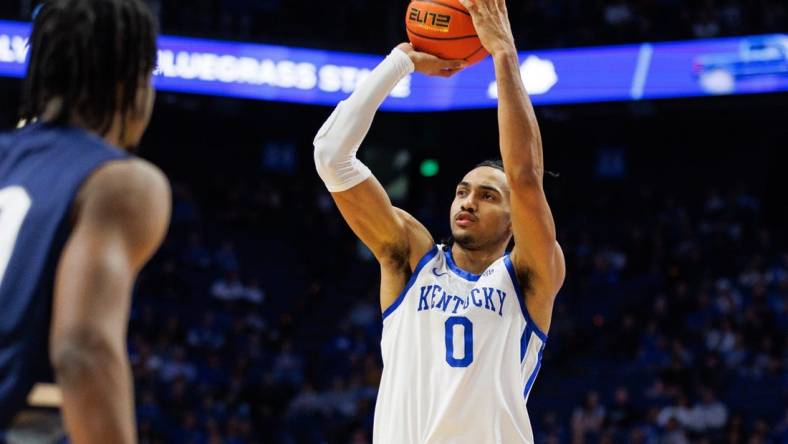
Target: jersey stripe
<point x="535" y="372"/>
<point x="525" y="339"/>
<point x="521" y="299"/>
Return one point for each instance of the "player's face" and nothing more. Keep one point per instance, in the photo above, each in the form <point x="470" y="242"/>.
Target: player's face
<point x="480" y="213"/>
<point x="137" y="121"/>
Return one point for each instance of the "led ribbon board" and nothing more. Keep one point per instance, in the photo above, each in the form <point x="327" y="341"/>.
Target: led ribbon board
<point x="741" y="65"/>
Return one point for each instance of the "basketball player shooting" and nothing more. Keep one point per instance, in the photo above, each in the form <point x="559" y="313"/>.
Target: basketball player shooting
<point x="79" y="215"/>
<point x="464" y="325"/>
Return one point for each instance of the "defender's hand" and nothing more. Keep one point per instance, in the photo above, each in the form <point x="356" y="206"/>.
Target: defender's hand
<point x="429" y="64"/>
<point x="491" y="20"/>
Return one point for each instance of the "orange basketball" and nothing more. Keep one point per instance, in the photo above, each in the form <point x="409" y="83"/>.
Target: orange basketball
<point x="444" y="29"/>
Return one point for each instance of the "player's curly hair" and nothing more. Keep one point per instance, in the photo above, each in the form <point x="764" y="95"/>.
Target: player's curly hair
<point x="492" y="163"/>
<point x="498" y="165"/>
<point x="92" y="55"/>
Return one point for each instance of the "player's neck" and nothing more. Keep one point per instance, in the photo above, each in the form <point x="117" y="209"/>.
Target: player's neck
<point x="113" y="136"/>
<point x="476" y="261"/>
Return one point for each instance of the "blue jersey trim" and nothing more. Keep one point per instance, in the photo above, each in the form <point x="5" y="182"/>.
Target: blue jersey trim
<point x="525" y="339"/>
<point x="532" y="378"/>
<point x="422" y="262"/>
<point x="520" y="298"/>
<point x="457" y="270"/>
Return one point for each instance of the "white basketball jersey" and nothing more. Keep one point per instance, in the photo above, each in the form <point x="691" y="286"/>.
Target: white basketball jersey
<point x="460" y="355"/>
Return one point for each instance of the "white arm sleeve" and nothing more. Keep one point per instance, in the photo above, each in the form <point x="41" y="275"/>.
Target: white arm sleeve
<point x="340" y="137"/>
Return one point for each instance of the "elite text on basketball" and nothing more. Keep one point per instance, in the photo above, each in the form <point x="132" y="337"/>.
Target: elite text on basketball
<point x="430" y="20"/>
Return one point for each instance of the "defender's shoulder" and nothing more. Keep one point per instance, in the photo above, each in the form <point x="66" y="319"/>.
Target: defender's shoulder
<point x="129" y="191"/>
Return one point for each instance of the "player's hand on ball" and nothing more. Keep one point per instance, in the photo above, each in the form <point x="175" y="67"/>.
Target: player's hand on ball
<point x="491" y="20"/>
<point x="430" y="65"/>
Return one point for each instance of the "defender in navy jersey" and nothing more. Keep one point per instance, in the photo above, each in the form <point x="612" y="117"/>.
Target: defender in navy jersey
<point x="79" y="215"/>
<point x="464" y="325"/>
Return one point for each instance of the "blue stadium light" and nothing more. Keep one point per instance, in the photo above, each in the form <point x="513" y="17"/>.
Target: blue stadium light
<point x="696" y="68"/>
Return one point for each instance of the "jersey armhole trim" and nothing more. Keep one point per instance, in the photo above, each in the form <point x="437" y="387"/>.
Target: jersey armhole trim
<point x="534" y="373"/>
<point x="521" y="299"/>
<point x="422" y="262"/>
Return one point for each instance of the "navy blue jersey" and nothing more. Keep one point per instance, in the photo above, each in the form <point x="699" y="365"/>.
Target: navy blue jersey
<point x="41" y="170"/>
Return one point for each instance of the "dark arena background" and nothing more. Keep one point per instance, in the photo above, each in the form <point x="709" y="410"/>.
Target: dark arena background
<point x="259" y="321"/>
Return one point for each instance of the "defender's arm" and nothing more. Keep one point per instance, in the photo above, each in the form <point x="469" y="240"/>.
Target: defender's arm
<point x="122" y="213"/>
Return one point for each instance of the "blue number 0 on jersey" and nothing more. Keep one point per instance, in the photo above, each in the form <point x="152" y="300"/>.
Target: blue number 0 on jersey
<point x="467" y="333"/>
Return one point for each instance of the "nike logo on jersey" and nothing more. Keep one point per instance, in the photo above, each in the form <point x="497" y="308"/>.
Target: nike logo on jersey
<point x="435" y="272"/>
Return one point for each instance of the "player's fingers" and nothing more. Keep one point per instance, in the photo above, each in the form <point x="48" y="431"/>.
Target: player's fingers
<point x="484" y="7"/>
<point x="452" y="64"/>
<point x="437" y="64"/>
<point x="470" y="5"/>
<point x="502" y="7"/>
<point x="405" y="47"/>
<point x="449" y="72"/>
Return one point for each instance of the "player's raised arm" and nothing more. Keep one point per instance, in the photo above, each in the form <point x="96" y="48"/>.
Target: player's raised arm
<point x="536" y="253"/>
<point x="395" y="238"/>
<point x="121" y="216"/>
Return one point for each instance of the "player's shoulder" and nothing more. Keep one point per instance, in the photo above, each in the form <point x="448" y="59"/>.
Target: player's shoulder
<point x="420" y="241"/>
<point x="59" y="140"/>
<point x="126" y="188"/>
<point x="5" y="143"/>
<point x="126" y="200"/>
<point x="547" y="284"/>
<point x="129" y="178"/>
<point x="408" y="219"/>
<point x="7" y="139"/>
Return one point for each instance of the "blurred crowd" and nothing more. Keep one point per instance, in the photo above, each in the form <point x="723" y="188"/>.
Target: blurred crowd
<point x="259" y="322"/>
<point x="374" y="26"/>
<point x="689" y="314"/>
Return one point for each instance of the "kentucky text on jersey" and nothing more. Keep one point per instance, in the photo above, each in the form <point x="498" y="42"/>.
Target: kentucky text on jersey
<point x="434" y="297"/>
<point x="454" y="344"/>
